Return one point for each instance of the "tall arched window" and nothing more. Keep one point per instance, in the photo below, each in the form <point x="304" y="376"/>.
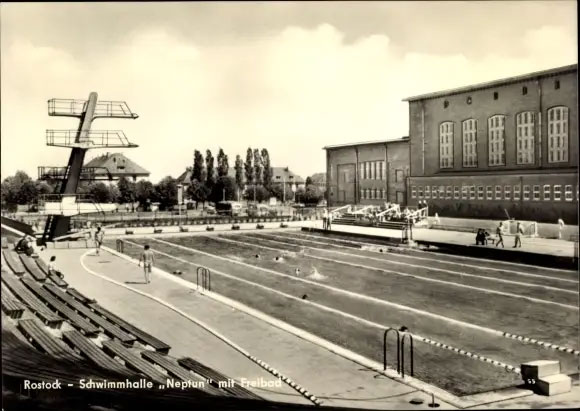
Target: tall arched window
<point x="558" y="134"/>
<point x="525" y="137"/>
<point x="446" y="145"/>
<point x="469" y="129"/>
<point x="496" y="139"/>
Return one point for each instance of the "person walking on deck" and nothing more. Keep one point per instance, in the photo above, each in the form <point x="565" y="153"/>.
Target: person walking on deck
<point x="499" y="234"/>
<point x="99" y="237"/>
<point x="148" y="259"/>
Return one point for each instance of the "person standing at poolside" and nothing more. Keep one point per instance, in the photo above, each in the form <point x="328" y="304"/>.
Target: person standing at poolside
<point x="519" y="232"/>
<point x="148" y="259"/>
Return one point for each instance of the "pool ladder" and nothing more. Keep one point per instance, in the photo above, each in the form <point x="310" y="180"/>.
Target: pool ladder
<point x="400" y="350"/>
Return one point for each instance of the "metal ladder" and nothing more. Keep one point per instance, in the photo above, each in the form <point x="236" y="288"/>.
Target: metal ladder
<point x="400" y="351"/>
<point x="205" y="275"/>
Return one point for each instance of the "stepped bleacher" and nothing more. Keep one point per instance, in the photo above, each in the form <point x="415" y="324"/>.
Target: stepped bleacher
<point x="54" y="331"/>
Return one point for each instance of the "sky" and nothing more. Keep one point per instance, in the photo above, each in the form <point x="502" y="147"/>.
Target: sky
<point x="291" y="77"/>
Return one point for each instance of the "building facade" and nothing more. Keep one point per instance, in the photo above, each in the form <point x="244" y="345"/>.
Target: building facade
<point x="367" y="173"/>
<point x="498" y="149"/>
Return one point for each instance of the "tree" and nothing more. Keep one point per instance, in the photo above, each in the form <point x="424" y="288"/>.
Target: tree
<point x="239" y="167"/>
<point x="127" y="190"/>
<point x="267" y="169"/>
<point x="209" y="169"/>
<point x="18" y="189"/>
<point x="144" y="192"/>
<point x="197" y="172"/>
<point x="257" y="167"/>
<point x="224" y="183"/>
<point x="309" y="181"/>
<point x="262" y="194"/>
<point x="99" y="193"/>
<point x="198" y="192"/>
<point x="223" y="164"/>
<point x="249" y="169"/>
<point x="166" y="192"/>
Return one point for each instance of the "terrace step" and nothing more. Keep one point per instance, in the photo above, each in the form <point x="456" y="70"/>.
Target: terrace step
<point x="141" y="335"/>
<point x="92" y="351"/>
<point x="33" y="268"/>
<point x="215" y="377"/>
<point x="131" y="360"/>
<point x="76" y="320"/>
<point x="10" y="305"/>
<point x="35" y="332"/>
<point x="14" y="262"/>
<point x="108" y="327"/>
<point x="31" y="301"/>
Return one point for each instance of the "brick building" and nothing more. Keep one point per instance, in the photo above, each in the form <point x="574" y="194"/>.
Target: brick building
<point x="509" y="145"/>
<point x="368" y="172"/>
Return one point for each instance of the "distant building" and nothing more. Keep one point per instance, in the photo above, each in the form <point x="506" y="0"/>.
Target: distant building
<point x="509" y="145"/>
<point x="280" y="175"/>
<point x="367" y="173"/>
<point x="116" y="165"/>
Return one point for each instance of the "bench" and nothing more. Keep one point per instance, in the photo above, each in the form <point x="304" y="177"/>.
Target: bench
<point x="215" y="376"/>
<point x="174" y="370"/>
<point x="82" y="298"/>
<point x="13" y="262"/>
<point x="42" y="265"/>
<point x="31" y="301"/>
<point x="10" y="305"/>
<point x="109" y="328"/>
<point x="142" y="336"/>
<point x="56" y="279"/>
<point x="76" y="320"/>
<point x="116" y="349"/>
<point x="91" y="351"/>
<point x="33" y="268"/>
<point x="35" y="333"/>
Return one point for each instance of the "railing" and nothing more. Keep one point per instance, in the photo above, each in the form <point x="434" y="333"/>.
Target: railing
<point x="205" y="278"/>
<point x="336" y="211"/>
<point x="362" y="210"/>
<point x="76" y="108"/>
<point x="400" y="351"/>
<point x="394" y="208"/>
<point x="87" y="139"/>
<point x="61" y="173"/>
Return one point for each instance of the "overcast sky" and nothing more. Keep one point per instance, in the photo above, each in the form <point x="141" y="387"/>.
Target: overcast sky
<point x="291" y="77"/>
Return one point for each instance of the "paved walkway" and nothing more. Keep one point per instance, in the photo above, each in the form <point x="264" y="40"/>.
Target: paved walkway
<point x="547" y="246"/>
<point x="333" y="379"/>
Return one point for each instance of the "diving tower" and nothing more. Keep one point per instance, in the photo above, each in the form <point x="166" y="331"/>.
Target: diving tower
<point x="65" y="202"/>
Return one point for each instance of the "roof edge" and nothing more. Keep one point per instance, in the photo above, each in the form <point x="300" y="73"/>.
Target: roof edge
<point x="494" y="83"/>
<point x="367" y="143"/>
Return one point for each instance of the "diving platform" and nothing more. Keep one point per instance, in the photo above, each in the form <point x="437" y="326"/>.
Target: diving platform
<point x="88" y="139"/>
<point x="62" y="173"/>
<point x="65" y="107"/>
